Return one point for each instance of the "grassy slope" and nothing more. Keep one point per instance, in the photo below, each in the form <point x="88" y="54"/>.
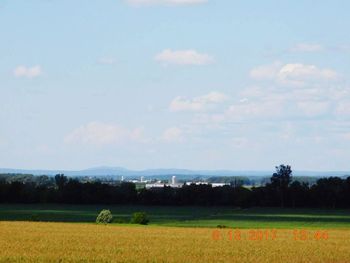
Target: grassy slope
<point x="186" y="216"/>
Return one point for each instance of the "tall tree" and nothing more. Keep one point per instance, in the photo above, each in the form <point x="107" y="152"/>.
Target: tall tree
<point x="280" y="181"/>
<point x="60" y="180"/>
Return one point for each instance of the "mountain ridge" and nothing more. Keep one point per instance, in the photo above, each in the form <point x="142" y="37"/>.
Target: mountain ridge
<point x="121" y="171"/>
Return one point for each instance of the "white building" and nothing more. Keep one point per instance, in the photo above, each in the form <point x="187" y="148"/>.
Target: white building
<point x="206" y="183"/>
<point x="173" y="180"/>
<point x="159" y="185"/>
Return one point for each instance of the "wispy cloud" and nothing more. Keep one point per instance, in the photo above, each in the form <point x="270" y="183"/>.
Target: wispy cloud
<point x="293" y="91"/>
<point x="200" y="103"/>
<point x="183" y="57"/>
<point x="297" y="74"/>
<point x="307" y="47"/>
<point x="99" y="134"/>
<point x="27" y="72"/>
<point x="315" y="48"/>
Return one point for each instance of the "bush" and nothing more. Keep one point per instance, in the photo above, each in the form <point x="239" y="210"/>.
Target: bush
<point x="104" y="217"/>
<point x="139" y="218"/>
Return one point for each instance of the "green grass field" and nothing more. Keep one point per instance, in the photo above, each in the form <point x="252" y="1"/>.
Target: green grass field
<point x="184" y="216"/>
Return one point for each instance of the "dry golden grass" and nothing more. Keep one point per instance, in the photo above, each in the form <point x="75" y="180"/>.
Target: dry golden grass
<point x="62" y="242"/>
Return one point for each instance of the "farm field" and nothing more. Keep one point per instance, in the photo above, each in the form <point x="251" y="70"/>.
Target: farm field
<point x="71" y="242"/>
<point x="184" y="216"/>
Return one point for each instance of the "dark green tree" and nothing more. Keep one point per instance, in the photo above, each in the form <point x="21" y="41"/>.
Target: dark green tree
<point x="140" y="218"/>
<point x="280" y="181"/>
<point x="60" y="180"/>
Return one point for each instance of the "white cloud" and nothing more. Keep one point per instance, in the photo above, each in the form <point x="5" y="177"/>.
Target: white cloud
<point x="265" y="71"/>
<point x="173" y="134"/>
<point x="268" y="108"/>
<point x="271" y="103"/>
<point x="307" y="47"/>
<point x="295" y="74"/>
<point x="200" y="103"/>
<point x="97" y="133"/>
<point x="320" y="95"/>
<point x="294" y="106"/>
<point x="183" y="57"/>
<point x="165" y="2"/>
<point x="183" y="104"/>
<point x="28" y="72"/>
<point x="301" y="72"/>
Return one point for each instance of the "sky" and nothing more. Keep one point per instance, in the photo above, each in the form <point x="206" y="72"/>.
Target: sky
<point x="196" y="84"/>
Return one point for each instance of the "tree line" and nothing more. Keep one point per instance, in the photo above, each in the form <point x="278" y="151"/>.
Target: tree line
<point x="280" y="191"/>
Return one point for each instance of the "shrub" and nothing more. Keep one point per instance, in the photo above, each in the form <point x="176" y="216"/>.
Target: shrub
<point x="104" y="217"/>
<point x="139" y="218"/>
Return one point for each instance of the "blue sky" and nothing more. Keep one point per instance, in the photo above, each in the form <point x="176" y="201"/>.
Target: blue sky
<point x="242" y="85"/>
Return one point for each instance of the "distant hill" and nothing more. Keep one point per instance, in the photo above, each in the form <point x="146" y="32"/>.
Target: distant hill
<point x="165" y="173"/>
<point x="120" y="171"/>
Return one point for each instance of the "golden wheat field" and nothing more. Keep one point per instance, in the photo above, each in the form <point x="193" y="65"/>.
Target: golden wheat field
<point x="69" y="242"/>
